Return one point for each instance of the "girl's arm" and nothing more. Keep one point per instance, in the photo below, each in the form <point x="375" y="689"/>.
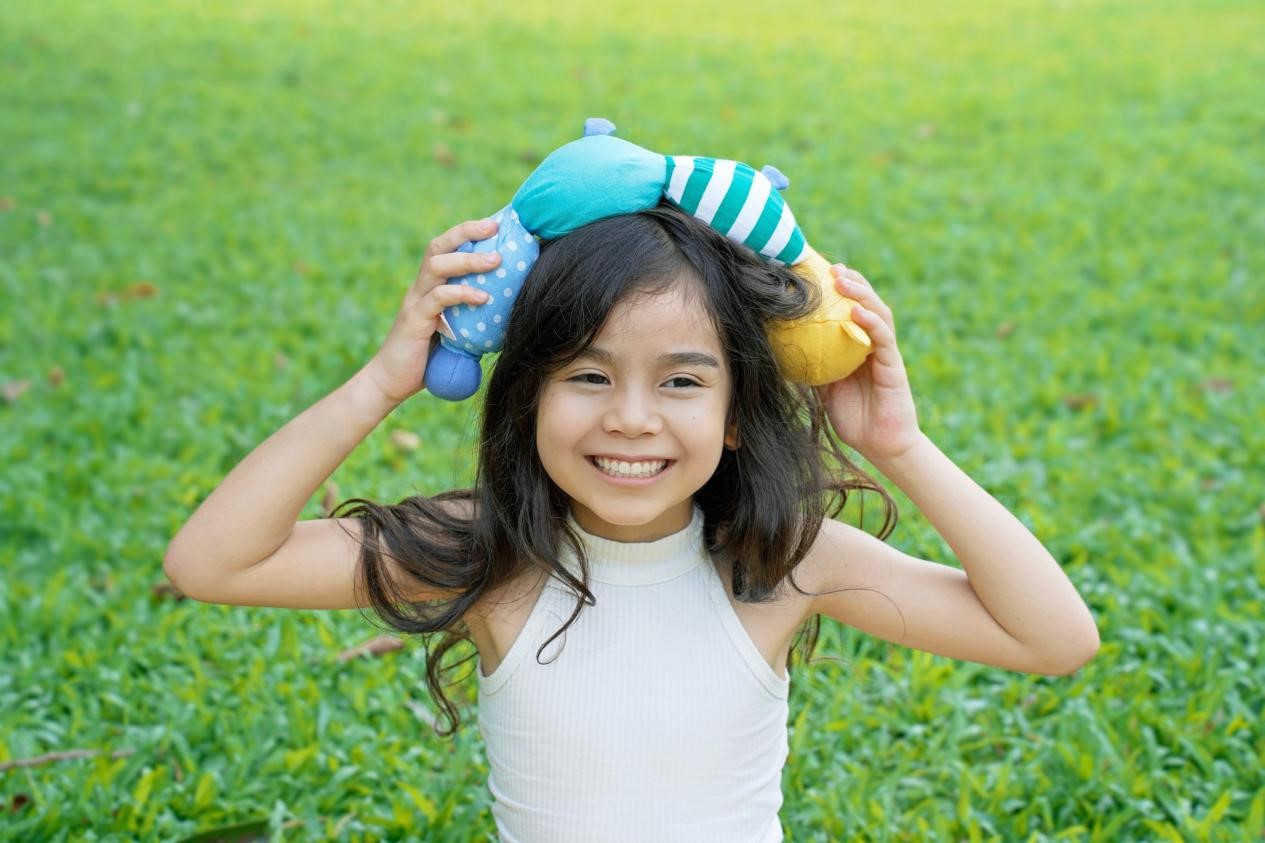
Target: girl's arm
<point x="254" y="509"/>
<point x="243" y="544"/>
<point x="1014" y="576"/>
<point x="1011" y="606"/>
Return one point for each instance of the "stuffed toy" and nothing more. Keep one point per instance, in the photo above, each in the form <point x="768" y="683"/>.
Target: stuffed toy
<point x="600" y="176"/>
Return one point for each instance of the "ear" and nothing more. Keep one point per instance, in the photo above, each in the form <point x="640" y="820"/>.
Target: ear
<point x="732" y="440"/>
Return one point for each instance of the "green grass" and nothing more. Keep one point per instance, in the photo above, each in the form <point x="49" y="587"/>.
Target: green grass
<point x="209" y="217"/>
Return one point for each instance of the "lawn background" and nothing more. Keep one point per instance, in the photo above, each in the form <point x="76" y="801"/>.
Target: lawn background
<point x="209" y="214"/>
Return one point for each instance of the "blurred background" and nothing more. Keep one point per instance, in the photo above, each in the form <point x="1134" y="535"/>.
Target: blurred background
<point x="209" y="214"/>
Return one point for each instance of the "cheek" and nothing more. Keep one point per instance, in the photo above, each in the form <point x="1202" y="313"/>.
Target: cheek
<point x="556" y="427"/>
<point x="546" y="447"/>
<point x="543" y="415"/>
<point x="711" y="417"/>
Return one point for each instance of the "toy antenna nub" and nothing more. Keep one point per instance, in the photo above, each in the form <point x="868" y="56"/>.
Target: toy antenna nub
<point x="774" y="175"/>
<point x="598" y="126"/>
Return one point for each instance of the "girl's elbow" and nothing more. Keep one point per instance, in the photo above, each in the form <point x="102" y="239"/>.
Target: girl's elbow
<point x="1082" y="656"/>
<point x="183" y="582"/>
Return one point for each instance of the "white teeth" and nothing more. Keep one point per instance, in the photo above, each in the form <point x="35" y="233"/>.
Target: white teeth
<point x="624" y="469"/>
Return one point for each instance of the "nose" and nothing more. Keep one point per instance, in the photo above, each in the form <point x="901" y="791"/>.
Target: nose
<point x="632" y="413"/>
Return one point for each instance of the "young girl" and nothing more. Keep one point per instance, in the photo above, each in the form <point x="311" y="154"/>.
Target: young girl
<point x="647" y="531"/>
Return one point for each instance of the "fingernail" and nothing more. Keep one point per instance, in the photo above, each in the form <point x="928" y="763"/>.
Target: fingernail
<point x="489" y="258"/>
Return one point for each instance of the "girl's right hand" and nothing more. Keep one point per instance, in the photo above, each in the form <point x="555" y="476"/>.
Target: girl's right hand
<point x="400" y="364"/>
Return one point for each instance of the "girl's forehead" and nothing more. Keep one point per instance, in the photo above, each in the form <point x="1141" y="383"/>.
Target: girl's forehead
<point x="676" y="311"/>
<point x="664" y="334"/>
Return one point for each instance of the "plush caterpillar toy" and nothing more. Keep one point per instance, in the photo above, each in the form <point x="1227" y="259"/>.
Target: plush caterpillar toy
<point x="600" y="176"/>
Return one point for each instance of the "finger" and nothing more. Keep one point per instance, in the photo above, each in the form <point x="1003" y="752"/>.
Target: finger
<point x="864" y="293"/>
<point x="885" y="350"/>
<point x="437" y="269"/>
<point x="848" y="272"/>
<point x="851" y="276"/>
<point x="470" y="230"/>
<point x="447" y="295"/>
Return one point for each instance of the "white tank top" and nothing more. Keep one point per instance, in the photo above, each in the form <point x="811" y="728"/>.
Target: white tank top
<point x="653" y="718"/>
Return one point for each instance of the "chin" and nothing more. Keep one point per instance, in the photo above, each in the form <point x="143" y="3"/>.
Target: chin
<point x="631" y="513"/>
<point x="623" y="516"/>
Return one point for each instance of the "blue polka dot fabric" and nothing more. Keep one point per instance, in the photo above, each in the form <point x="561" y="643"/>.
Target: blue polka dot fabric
<point x="478" y="329"/>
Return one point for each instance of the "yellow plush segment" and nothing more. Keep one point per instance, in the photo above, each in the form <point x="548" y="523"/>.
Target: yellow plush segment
<point x="825" y="345"/>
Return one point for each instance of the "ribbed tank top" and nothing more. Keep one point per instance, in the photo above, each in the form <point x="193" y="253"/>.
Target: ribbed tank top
<point x="653" y="718"/>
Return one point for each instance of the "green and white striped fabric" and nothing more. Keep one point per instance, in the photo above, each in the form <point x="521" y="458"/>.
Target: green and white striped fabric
<point x="739" y="202"/>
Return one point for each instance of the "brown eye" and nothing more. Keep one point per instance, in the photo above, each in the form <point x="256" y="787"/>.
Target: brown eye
<point x="683" y="381"/>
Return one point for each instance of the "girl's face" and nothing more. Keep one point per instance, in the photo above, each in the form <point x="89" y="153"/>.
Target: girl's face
<point x="654" y="386"/>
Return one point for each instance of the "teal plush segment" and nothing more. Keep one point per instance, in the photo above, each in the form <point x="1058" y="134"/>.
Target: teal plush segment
<point x="587" y="180"/>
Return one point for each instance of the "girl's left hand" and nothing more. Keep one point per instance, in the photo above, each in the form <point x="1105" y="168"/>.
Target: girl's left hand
<point x="872" y="409"/>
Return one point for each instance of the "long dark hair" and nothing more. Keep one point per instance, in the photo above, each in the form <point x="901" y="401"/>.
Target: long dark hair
<point x="762" y="508"/>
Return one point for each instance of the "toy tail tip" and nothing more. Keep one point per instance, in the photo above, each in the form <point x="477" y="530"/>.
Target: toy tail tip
<point x="598" y="126"/>
<point x="774" y="175"/>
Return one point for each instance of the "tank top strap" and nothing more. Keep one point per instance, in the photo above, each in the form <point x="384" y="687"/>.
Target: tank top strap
<point x="777" y="686"/>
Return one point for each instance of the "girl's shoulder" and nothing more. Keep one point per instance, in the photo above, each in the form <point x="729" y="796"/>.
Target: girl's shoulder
<point x="504" y="601"/>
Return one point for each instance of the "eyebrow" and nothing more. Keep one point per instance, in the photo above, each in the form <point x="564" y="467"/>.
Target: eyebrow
<point x="675" y="358"/>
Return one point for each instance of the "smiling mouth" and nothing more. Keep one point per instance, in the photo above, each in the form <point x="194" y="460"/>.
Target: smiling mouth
<point x="666" y="465"/>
